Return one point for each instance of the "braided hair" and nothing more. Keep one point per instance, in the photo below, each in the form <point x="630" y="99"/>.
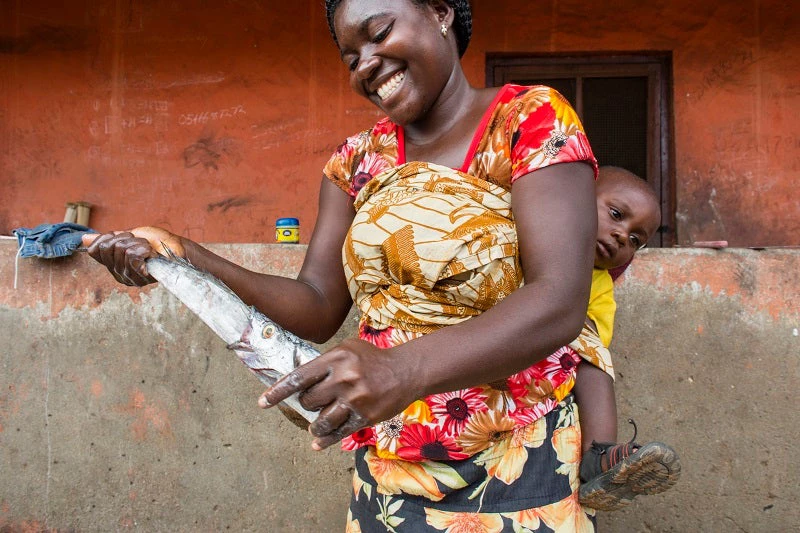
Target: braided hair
<point x="462" y="25"/>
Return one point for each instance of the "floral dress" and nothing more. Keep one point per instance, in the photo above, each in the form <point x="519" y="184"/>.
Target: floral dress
<point x="432" y="246"/>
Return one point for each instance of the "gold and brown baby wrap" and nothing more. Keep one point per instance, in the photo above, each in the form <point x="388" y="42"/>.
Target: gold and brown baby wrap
<point x="430" y="247"/>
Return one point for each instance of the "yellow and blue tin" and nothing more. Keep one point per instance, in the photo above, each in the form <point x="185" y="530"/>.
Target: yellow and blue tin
<point x="287" y="230"/>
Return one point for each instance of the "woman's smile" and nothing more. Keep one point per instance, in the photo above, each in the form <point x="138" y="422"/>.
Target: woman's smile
<point x="389" y="87"/>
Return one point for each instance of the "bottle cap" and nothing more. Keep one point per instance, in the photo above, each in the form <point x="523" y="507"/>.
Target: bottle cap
<point x="282" y="222"/>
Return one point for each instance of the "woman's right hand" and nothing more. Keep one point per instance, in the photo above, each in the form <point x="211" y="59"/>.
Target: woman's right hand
<point x="124" y="252"/>
<point x="354" y="385"/>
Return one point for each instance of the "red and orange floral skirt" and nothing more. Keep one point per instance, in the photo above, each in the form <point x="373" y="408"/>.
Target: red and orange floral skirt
<point x="526" y="481"/>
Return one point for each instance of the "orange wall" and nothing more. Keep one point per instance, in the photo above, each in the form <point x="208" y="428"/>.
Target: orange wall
<point x="214" y="118"/>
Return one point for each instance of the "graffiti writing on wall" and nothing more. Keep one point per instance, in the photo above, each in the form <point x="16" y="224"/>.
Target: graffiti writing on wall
<point x="204" y="117"/>
<point x="726" y="72"/>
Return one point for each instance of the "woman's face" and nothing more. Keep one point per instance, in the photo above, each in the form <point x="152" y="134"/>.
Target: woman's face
<point x="396" y="54"/>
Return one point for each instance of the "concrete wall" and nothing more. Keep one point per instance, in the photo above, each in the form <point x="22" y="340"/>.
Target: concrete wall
<point x="120" y="411"/>
<point x="215" y="118"/>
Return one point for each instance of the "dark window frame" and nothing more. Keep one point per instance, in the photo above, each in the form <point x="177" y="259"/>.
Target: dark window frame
<point x="503" y="67"/>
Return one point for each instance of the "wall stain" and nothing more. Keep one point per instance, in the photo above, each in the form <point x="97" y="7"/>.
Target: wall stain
<point x="210" y="152"/>
<point x="747" y="279"/>
<point x="228" y="203"/>
<point x="47" y="38"/>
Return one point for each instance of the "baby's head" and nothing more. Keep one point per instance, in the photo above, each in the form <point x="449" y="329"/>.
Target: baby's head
<point x="628" y="214"/>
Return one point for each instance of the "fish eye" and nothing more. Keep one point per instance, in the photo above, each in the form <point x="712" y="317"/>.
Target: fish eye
<point x="268" y="331"/>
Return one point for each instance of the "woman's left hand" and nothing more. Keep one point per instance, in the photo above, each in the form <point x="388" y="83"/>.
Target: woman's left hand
<point x="354" y="385"/>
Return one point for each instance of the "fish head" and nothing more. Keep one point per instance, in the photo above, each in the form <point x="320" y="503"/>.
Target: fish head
<point x="266" y="346"/>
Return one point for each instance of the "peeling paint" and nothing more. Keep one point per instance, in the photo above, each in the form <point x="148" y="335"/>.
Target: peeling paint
<point x="27" y="526"/>
<point x="147" y="415"/>
<point x="97" y="388"/>
<point x="764" y="281"/>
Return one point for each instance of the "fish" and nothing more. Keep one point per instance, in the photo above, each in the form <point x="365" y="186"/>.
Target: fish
<point x="268" y="350"/>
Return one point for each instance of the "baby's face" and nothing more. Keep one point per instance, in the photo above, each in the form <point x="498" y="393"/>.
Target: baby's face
<point x="626" y="219"/>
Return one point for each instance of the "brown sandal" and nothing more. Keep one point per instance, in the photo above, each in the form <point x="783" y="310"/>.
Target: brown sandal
<point x="613" y="474"/>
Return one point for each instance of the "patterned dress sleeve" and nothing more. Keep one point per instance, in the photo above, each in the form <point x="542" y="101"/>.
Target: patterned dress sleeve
<point x="363" y="156"/>
<point x="544" y="130"/>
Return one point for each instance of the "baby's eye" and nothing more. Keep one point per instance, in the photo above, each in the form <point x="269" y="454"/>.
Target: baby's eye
<point x="636" y="241"/>
<point x="616" y="214"/>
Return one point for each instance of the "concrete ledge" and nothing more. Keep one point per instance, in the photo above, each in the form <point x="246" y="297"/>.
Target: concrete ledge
<point x="120" y="410"/>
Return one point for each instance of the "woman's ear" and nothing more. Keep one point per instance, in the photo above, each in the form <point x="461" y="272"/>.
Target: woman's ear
<point x="444" y="13"/>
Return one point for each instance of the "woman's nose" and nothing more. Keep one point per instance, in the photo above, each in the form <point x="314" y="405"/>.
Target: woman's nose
<point x="366" y="67"/>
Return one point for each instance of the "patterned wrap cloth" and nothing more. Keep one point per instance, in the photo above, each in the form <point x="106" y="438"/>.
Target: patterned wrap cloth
<point x="430" y="247"/>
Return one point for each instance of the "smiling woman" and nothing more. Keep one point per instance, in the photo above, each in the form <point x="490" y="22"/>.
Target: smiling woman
<point x="391" y="61"/>
<point x="462" y="22"/>
<point x="457" y="397"/>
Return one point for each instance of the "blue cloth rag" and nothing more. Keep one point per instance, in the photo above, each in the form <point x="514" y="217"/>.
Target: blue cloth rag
<point x="50" y="240"/>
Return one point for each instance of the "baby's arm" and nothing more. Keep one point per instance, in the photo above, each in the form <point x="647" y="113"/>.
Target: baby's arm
<point x="594" y="385"/>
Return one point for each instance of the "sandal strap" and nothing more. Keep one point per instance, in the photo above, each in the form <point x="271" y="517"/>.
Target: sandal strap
<point x="618" y="452"/>
<point x="592" y="461"/>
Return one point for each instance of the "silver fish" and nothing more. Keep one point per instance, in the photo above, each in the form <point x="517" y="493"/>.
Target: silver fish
<point x="268" y="350"/>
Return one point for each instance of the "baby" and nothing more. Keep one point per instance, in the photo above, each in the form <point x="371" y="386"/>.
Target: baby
<point x="612" y="474"/>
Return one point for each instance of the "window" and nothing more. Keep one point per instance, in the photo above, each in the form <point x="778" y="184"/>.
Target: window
<point x="624" y="102"/>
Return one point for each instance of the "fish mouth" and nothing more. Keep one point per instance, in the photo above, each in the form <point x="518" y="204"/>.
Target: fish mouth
<point x="241" y="346"/>
<point x="389" y="87"/>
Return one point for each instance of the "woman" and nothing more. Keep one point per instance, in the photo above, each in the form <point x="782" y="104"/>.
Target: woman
<point x="435" y="263"/>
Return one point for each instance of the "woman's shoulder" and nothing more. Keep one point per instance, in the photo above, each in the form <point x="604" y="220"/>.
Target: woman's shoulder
<point x="381" y="131"/>
<point x="516" y="108"/>
<point x="362" y="156"/>
<point x="514" y="98"/>
<point x="535" y="126"/>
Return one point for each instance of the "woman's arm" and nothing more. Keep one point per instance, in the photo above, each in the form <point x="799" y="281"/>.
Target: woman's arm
<point x="313" y="306"/>
<point x="357" y="384"/>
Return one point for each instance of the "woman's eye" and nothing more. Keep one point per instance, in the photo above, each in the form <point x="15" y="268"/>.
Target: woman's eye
<point x="381" y="35"/>
<point x="351" y="60"/>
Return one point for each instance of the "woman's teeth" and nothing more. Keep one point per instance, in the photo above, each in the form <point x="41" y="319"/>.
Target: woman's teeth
<point x="386" y="90"/>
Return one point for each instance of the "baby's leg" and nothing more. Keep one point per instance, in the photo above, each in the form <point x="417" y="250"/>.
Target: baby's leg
<point x="613" y="474"/>
<point x="597" y="406"/>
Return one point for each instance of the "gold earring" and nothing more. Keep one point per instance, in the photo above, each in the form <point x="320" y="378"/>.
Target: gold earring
<point x="444" y="30"/>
